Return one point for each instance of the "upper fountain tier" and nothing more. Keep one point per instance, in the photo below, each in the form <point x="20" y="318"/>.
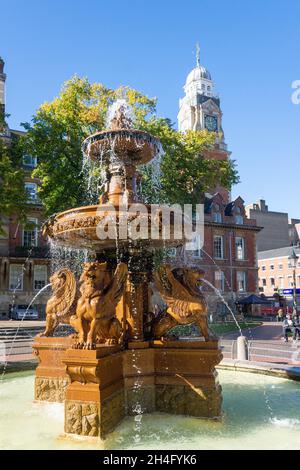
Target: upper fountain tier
<point x="121" y="143"/>
<point x="120" y="149"/>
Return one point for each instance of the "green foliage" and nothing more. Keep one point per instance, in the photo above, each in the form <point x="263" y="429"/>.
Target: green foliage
<point x="12" y="190"/>
<point x="59" y="127"/>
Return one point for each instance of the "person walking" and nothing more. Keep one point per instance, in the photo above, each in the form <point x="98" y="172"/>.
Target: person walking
<point x="296" y="326"/>
<point x="280" y="315"/>
<point x="288" y="327"/>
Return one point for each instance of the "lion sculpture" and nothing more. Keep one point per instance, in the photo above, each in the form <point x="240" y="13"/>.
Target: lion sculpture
<point x="95" y="319"/>
<point x="91" y="311"/>
<point x="62" y="305"/>
<point x="179" y="289"/>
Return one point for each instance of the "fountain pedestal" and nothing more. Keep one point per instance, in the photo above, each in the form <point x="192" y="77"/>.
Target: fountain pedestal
<point x="94" y="403"/>
<point x="185" y="378"/>
<point x="51" y="379"/>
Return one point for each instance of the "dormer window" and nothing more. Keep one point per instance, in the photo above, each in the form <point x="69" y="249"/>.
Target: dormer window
<point x="217" y="217"/>
<point x="239" y="219"/>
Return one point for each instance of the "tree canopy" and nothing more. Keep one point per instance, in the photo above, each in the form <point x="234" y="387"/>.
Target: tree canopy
<point x="59" y="127"/>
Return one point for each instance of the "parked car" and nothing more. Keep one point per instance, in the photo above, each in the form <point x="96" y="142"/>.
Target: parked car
<point x="22" y="312"/>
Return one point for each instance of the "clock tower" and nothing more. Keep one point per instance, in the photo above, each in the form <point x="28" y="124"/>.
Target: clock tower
<point x="200" y="109"/>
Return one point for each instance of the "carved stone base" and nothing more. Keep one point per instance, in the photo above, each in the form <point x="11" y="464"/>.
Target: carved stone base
<point x="51" y="379"/>
<point x="95" y="400"/>
<point x="51" y="388"/>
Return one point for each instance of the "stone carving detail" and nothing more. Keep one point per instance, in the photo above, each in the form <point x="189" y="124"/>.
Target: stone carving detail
<point x="179" y="288"/>
<point x="144" y="396"/>
<point x="51" y="389"/>
<point x="181" y="399"/>
<point x="62" y="304"/>
<point x="95" y="319"/>
<point x="82" y="418"/>
<point x="112" y="411"/>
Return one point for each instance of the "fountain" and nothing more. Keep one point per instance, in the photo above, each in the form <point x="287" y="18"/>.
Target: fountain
<point x="121" y="361"/>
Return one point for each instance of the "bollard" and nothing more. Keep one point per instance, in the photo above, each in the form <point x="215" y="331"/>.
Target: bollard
<point x="242" y="350"/>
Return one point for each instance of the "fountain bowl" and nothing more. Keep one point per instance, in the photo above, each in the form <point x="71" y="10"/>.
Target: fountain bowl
<point x="78" y="228"/>
<point x="130" y="146"/>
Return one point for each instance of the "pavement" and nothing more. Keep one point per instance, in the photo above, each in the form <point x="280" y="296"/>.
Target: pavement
<point x="268" y="331"/>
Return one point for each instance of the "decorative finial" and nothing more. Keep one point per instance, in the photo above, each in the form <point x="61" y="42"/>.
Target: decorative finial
<point x="198" y="54"/>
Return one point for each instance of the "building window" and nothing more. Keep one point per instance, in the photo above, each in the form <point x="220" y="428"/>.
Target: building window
<point x="220" y="280"/>
<point x="217" y="217"/>
<point x="30" y="234"/>
<point x="16" y="277"/>
<point x="298" y="281"/>
<point x="29" y="161"/>
<point x="290" y="281"/>
<point x="194" y="246"/>
<point x="272" y="279"/>
<point x="264" y="282"/>
<point x="218" y="247"/>
<point x="31" y="189"/>
<point x="239" y="219"/>
<point x="272" y="267"/>
<point x="240" y="248"/>
<point x="263" y="268"/>
<point x="281" y="282"/>
<point x="280" y="266"/>
<point x="241" y="281"/>
<point x="40" y="276"/>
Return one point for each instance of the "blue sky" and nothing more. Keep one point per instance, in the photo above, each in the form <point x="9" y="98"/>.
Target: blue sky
<point x="250" y="47"/>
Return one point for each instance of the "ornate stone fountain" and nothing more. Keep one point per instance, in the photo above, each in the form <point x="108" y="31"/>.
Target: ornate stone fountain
<point x="120" y="361"/>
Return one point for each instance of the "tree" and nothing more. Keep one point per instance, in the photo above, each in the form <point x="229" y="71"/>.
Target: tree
<point x="13" y="195"/>
<point x="59" y="128"/>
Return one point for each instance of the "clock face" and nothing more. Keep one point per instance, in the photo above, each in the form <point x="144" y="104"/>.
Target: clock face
<point x="211" y="123"/>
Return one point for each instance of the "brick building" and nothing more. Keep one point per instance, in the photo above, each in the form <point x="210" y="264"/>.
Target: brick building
<point x="24" y="264"/>
<point x="279" y="273"/>
<point x="277" y="229"/>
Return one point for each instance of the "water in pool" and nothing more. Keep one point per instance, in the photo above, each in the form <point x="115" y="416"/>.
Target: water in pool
<point x="260" y="412"/>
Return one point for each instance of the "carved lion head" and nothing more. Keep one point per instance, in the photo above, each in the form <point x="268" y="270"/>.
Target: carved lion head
<point x="96" y="275"/>
<point x="191" y="278"/>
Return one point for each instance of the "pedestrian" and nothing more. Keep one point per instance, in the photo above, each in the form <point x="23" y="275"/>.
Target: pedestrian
<point x="288" y="327"/>
<point x="280" y="315"/>
<point x="296" y="326"/>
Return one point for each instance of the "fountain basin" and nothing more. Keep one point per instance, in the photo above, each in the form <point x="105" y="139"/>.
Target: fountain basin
<point x="78" y="228"/>
<point x="260" y="412"/>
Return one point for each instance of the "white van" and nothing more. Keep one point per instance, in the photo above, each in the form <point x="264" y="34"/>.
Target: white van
<point x="22" y="312"/>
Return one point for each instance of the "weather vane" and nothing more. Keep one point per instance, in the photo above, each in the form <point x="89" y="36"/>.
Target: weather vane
<point x="198" y="54"/>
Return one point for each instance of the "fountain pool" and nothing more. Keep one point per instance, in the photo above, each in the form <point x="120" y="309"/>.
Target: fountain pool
<point x="259" y="412"/>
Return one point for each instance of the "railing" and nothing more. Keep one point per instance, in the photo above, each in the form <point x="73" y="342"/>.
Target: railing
<point x="264" y="351"/>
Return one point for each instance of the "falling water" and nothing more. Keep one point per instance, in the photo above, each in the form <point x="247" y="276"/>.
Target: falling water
<point x="224" y="301"/>
<point x="19" y="326"/>
<point x="128" y="117"/>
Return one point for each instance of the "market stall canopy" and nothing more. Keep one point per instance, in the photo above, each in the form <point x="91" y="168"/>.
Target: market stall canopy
<point x="254" y="300"/>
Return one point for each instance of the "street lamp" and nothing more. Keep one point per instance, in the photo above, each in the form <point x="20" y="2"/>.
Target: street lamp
<point x="293" y="258"/>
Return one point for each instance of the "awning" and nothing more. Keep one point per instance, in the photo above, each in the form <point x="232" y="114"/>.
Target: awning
<point x="253" y="300"/>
